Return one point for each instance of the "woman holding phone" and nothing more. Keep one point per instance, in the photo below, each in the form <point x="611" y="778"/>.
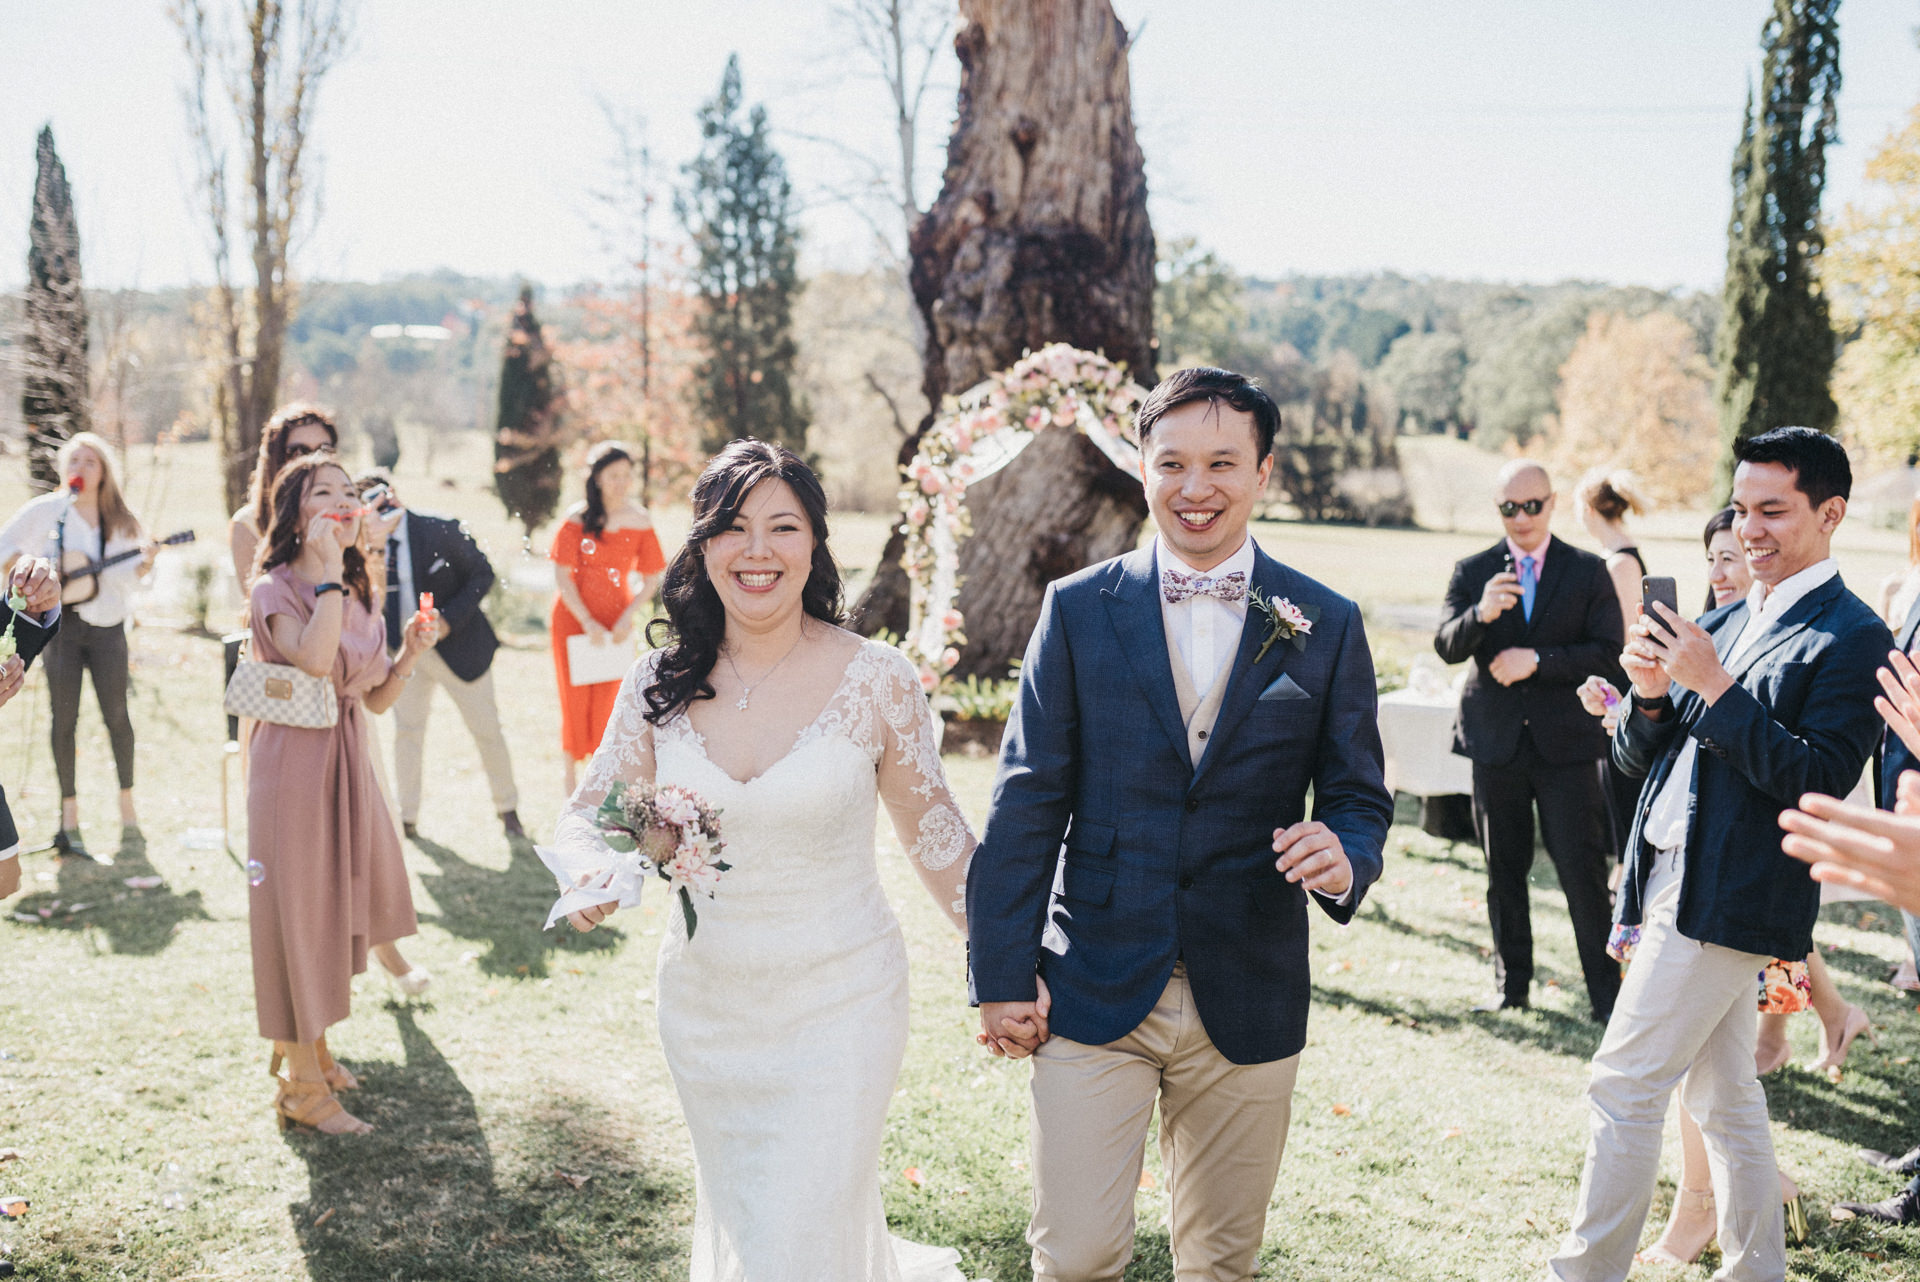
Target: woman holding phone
<point x="324" y="856"/>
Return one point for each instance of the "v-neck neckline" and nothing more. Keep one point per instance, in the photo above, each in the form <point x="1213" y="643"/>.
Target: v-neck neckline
<point x="799" y="739"/>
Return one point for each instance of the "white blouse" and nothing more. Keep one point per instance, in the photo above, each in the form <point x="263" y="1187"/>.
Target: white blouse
<point x="46" y="524"/>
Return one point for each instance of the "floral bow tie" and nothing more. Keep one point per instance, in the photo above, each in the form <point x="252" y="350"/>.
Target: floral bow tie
<point x="1177" y="587"/>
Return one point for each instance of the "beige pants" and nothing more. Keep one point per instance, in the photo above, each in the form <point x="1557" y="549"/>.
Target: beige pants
<point x="1685" y="1018"/>
<point x="477" y="708"/>
<point x="1222" y="1129"/>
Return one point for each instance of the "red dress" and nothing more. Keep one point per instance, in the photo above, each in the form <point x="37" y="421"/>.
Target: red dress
<point x="600" y="567"/>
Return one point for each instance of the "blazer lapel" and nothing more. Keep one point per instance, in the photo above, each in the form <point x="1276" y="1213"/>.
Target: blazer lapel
<point x="1246" y="679"/>
<point x="1791" y="624"/>
<point x="1133" y="608"/>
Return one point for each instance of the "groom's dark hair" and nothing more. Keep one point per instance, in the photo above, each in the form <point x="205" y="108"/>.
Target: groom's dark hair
<point x="1206" y="383"/>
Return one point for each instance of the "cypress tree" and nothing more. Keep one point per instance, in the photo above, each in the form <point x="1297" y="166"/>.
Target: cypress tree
<point x="1775" y="346"/>
<point x="526" y="443"/>
<point x="54" y="400"/>
<point x="738" y="212"/>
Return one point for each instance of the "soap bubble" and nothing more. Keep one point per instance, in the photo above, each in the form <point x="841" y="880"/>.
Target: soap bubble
<point x="613" y="577"/>
<point x="176" y="1190"/>
<point x="256" y="872"/>
<point x="588" y="547"/>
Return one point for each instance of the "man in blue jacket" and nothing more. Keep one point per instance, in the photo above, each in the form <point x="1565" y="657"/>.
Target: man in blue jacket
<point x="1176" y="705"/>
<point x="1732" y="721"/>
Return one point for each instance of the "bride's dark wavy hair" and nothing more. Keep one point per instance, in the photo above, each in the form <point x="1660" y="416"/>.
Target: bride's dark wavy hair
<point x="696" y="624"/>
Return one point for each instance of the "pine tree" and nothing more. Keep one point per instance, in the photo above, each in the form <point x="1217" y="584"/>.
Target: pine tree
<point x="526" y="444"/>
<point x="738" y="211"/>
<point x="54" y="400"/>
<point x="1775" y="347"/>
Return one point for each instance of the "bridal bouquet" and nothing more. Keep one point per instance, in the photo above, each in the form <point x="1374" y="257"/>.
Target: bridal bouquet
<point x="668" y="831"/>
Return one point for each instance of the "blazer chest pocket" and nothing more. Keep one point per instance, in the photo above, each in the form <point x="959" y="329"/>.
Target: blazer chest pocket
<point x="1089" y="871"/>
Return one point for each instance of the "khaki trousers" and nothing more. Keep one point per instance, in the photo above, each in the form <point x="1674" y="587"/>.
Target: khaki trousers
<point x="477" y="708"/>
<point x="1685" y="1019"/>
<point x="1222" y="1129"/>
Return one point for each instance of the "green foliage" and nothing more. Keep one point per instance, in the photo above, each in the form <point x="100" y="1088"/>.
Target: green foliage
<point x="526" y="445"/>
<point x="977" y="700"/>
<point x="1424" y="373"/>
<point x="738" y="211"/>
<point x="1776" y="350"/>
<point x="1199" y="312"/>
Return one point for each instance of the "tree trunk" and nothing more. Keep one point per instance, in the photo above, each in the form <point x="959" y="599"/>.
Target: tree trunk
<point x="1040" y="235"/>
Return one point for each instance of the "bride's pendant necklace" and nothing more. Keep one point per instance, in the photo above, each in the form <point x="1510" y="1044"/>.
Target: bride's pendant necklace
<point x="746" y="691"/>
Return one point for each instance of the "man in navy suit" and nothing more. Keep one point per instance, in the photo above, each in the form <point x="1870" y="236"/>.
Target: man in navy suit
<point x="437" y="554"/>
<point x="1176" y="706"/>
<point x="1733" y="719"/>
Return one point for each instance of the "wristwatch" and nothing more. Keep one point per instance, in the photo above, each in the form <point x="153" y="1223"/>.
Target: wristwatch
<point x="1664" y="701"/>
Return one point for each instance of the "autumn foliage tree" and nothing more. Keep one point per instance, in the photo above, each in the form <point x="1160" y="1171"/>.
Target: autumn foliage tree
<point x="1638" y="392"/>
<point x="1872" y="271"/>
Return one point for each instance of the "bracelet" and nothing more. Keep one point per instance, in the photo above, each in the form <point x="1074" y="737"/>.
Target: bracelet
<point x="321" y="589"/>
<point x="1664" y="701"/>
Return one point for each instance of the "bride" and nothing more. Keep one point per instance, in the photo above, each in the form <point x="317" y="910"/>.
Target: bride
<point x="785" y="1019"/>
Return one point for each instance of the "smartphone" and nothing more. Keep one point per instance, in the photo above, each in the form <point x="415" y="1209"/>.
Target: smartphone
<point x="379" y="498"/>
<point x="1658" y="587"/>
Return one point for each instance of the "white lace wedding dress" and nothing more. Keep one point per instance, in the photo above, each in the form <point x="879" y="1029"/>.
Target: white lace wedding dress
<point x="784" y="1019"/>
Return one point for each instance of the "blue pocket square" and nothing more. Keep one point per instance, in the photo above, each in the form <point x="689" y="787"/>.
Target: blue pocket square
<point x="1284" y="687"/>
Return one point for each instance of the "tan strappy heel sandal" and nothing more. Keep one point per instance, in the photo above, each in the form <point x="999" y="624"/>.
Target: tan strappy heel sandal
<point x="339" y="1077"/>
<point x="312" y="1106"/>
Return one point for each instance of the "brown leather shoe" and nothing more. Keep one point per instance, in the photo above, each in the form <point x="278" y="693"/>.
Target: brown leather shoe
<point x="510" y="821"/>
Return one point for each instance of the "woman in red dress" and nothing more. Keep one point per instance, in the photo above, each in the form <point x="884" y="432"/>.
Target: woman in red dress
<point x="602" y="542"/>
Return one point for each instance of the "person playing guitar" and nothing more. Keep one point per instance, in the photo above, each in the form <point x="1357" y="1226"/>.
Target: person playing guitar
<point x="87" y="520"/>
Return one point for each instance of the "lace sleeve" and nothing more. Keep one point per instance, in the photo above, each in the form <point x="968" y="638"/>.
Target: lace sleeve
<point x="914" y="787"/>
<point x="625" y="755"/>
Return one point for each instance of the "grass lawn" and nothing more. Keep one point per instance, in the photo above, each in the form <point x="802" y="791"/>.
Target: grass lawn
<point x="527" y="1127"/>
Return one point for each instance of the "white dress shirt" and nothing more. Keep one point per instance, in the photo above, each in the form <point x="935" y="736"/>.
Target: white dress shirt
<point x="1206" y="630"/>
<point x="50" y="526"/>
<point x="1666" y="826"/>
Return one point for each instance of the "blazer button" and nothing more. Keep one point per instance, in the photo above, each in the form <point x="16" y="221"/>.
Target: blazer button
<point x="1193" y="804"/>
<point x="1186" y="883"/>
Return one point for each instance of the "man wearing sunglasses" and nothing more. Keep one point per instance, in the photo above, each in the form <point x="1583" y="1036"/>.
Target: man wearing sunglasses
<point x="1536" y="618"/>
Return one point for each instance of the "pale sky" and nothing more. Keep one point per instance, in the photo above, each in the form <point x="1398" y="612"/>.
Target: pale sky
<point x="1526" y="140"/>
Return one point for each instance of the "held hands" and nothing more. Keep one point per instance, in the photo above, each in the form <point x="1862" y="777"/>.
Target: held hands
<point x="1859" y="846"/>
<point x="33" y="577"/>
<point x="1015" y="1030"/>
<point x="1600" y="699"/>
<point x="1516" y="663"/>
<point x="1501" y="594"/>
<point x="1684" y="650"/>
<point x="1311" y="854"/>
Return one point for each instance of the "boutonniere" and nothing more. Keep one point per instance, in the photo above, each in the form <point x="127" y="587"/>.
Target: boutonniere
<point x="1285" y="622"/>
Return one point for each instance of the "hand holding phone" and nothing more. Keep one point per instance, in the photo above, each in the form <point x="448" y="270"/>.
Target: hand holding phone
<point x="1660" y="588"/>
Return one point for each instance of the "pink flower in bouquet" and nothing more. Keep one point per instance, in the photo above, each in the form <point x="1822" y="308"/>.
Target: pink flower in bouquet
<point x="949" y="657"/>
<point x="951" y="620"/>
<point x="1113" y="376"/>
<point x="917" y="513"/>
<point x="1036" y="418"/>
<point x="1066" y="411"/>
<point x="928" y="678"/>
<point x="932" y="482"/>
<point x="674" y="831"/>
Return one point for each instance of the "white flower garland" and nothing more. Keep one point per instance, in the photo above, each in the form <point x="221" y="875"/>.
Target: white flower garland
<point x="978" y="433"/>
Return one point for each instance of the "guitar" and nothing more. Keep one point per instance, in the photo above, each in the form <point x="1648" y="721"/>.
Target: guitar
<point x="80" y="574"/>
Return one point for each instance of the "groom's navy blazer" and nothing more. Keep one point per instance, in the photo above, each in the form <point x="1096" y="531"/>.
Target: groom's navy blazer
<point x="1170" y="859"/>
<point x="1798" y="719"/>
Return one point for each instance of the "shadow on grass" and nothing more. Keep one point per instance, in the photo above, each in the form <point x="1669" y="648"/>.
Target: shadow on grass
<point x="420" y="1197"/>
<point x="95" y="897"/>
<point x="505" y="910"/>
<point x="1539" y="1027"/>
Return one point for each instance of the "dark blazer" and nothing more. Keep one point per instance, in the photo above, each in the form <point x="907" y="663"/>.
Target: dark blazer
<point x="1798" y="719"/>
<point x="1576" y="628"/>
<point x="1894" y="757"/>
<point x="449" y="564"/>
<point x="1168" y="859"/>
<point x="30" y="639"/>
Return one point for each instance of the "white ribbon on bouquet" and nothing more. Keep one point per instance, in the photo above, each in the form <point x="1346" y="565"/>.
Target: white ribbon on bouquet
<point x="589" y="878"/>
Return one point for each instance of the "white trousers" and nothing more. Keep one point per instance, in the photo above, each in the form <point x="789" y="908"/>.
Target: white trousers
<point x="1686" y="1010"/>
<point x="477" y="708"/>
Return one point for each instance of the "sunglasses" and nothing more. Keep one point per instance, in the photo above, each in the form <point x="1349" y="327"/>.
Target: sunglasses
<point x="301" y="451"/>
<point x="1531" y="507"/>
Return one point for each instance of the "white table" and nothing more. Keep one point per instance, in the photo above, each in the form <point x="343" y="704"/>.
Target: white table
<point x="1416" y="731"/>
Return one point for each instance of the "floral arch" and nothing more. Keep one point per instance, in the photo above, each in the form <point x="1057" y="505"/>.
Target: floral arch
<point x="977" y="433"/>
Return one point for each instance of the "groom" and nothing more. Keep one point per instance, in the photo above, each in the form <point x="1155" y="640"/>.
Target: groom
<point x="1173" y="714"/>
